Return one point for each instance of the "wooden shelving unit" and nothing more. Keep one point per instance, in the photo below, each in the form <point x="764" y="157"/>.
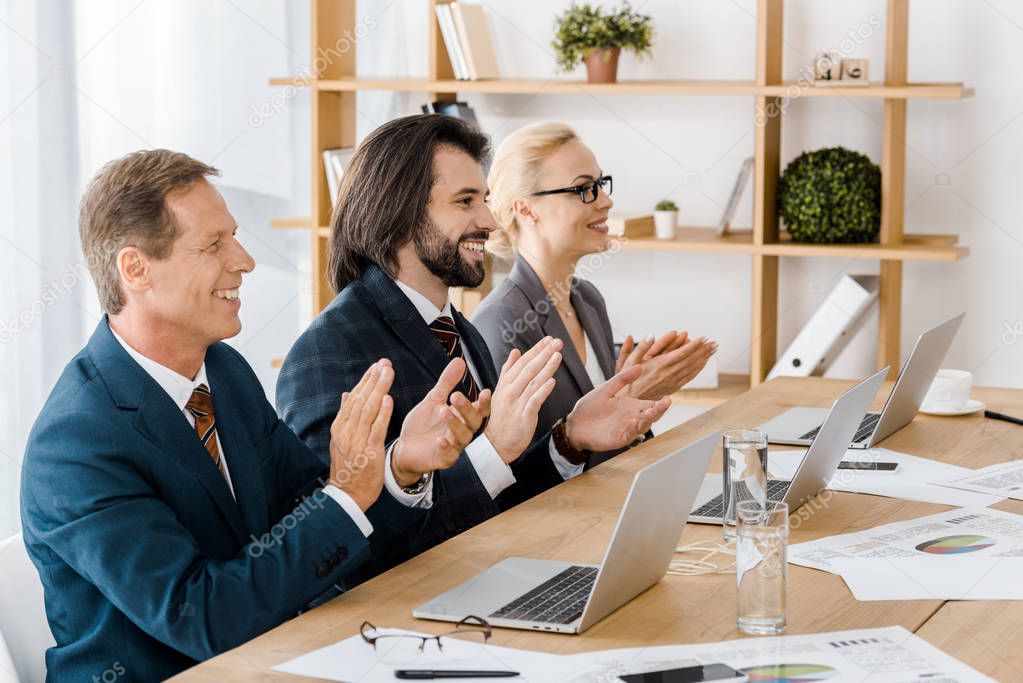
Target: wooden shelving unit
<point x="333" y="91"/>
<point x="532" y="86"/>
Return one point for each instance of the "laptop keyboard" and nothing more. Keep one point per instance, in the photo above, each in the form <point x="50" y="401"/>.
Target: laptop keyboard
<point x="714" y="508"/>
<point x="559" y="600"/>
<point x="865" y="430"/>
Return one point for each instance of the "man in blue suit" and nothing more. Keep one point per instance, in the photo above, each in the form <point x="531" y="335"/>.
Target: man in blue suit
<point x="171" y="514"/>
<point x="410" y="222"/>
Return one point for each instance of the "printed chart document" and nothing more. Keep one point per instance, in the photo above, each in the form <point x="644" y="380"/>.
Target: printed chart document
<point x="911" y="481"/>
<point x="354" y="659"/>
<point x="1003" y="479"/>
<point x="878" y="655"/>
<point x="963" y="554"/>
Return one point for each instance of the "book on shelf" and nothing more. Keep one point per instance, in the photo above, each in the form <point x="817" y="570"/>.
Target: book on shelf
<point x="449" y="33"/>
<point x="474" y="36"/>
<point x="463" y="26"/>
<point x="335" y="161"/>
<point x="630" y="225"/>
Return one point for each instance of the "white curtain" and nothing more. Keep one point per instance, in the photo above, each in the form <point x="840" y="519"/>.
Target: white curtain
<point x="86" y="82"/>
<point x="42" y="309"/>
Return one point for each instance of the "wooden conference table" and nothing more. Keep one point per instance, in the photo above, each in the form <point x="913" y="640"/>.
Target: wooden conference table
<point x="574" y="521"/>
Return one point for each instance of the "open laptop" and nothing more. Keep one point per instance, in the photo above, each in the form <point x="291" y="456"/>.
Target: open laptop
<point x="798" y="426"/>
<point x="547" y="595"/>
<point x="819" y="464"/>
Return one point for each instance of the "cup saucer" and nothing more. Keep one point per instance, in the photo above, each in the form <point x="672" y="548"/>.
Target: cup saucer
<point x="972" y="406"/>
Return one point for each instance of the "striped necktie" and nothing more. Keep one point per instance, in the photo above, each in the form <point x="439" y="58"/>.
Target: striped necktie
<point x="200" y="405"/>
<point x="446" y="332"/>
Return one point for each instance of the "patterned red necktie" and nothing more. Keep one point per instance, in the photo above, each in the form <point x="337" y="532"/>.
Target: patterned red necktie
<point x="201" y="407"/>
<point x="446" y="332"/>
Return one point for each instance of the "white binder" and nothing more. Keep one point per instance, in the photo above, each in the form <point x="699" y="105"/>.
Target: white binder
<point x="829" y="329"/>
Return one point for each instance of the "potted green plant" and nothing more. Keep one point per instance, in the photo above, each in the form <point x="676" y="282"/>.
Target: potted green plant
<point x="596" y="37"/>
<point x="831" y="196"/>
<point x="665" y="219"/>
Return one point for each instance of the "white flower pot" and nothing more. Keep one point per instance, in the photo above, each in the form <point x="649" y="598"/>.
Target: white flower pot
<point x="665" y="223"/>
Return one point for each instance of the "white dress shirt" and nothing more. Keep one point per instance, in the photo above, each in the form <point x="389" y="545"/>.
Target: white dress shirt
<point x="180" y="389"/>
<point x="593" y="370"/>
<point x="493" y="472"/>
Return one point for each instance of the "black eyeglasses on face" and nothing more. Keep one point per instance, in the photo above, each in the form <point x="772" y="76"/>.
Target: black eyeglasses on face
<point x="587" y="192"/>
<point x="471" y="626"/>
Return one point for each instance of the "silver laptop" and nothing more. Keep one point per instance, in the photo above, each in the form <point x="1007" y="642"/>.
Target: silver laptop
<point x="547" y="595"/>
<point x="818" y="465"/>
<point x="798" y="426"/>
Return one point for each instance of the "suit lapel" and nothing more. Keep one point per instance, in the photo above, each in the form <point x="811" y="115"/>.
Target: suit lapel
<point x="240" y="455"/>
<point x="474" y="346"/>
<point x="590" y="319"/>
<point x="404" y="320"/>
<point x="550" y="322"/>
<point x="159" y="421"/>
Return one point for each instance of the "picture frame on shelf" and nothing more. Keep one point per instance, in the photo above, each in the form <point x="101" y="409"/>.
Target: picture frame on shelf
<point x="738" y="190"/>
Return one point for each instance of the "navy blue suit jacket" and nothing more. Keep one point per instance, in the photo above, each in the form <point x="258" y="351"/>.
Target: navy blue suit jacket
<point x="372" y="319"/>
<point x="146" y="559"/>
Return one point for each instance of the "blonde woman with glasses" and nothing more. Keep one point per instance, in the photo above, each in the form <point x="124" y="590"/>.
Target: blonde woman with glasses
<point x="551" y="200"/>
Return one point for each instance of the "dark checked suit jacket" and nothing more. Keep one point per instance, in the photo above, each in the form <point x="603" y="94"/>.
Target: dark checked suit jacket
<point x="145" y="557"/>
<point x="372" y="319"/>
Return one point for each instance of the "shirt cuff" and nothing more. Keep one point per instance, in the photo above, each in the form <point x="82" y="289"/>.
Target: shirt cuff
<point x="566" y="469"/>
<point x="492" y="471"/>
<point x="413" y="500"/>
<point x="349" y="505"/>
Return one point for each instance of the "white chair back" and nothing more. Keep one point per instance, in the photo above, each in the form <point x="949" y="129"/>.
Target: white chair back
<point x="23" y="624"/>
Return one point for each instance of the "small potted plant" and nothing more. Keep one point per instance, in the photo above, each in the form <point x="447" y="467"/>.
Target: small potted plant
<point x="596" y="37"/>
<point x="665" y="219"/>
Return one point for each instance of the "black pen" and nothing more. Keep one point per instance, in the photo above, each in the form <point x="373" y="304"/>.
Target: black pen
<point x="999" y="416"/>
<point x="426" y="674"/>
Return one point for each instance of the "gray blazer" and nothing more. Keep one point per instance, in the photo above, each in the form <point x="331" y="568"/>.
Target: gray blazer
<point x="518" y="313"/>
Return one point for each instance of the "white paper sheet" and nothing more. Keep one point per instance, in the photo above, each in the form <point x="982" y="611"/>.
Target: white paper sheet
<point x="879" y="655"/>
<point x="911" y="481"/>
<point x="1003" y="479"/>
<point x="355" y="660"/>
<point x="962" y="554"/>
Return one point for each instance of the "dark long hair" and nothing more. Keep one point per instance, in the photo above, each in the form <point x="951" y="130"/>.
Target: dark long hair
<point x="383" y="197"/>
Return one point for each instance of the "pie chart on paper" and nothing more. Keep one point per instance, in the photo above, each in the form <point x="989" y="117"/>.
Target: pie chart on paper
<point x="955" y="545"/>
<point x="790" y="673"/>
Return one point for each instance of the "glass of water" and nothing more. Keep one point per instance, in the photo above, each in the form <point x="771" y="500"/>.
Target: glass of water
<point x="743" y="473"/>
<point x="761" y="566"/>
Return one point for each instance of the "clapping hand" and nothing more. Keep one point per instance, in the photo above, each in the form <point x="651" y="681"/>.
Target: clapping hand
<point x="607" y="418"/>
<point x="436" y="431"/>
<point x="357" y="436"/>
<point x="667" y="363"/>
<point x="525" y="382"/>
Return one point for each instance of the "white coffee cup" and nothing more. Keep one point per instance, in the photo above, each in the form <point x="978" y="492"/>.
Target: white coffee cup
<point x="949" y="391"/>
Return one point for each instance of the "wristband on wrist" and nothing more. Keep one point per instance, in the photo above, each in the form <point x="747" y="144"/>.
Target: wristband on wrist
<point x="565" y="447"/>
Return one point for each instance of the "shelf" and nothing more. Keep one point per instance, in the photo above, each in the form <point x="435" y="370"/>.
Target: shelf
<point x="291" y="223"/>
<point x="910" y="91"/>
<point x="538" y="86"/>
<point x="914" y="248"/>
<point x="729" y="386"/>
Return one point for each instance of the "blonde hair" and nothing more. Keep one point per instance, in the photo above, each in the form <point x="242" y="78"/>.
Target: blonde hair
<point x="514" y="173"/>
